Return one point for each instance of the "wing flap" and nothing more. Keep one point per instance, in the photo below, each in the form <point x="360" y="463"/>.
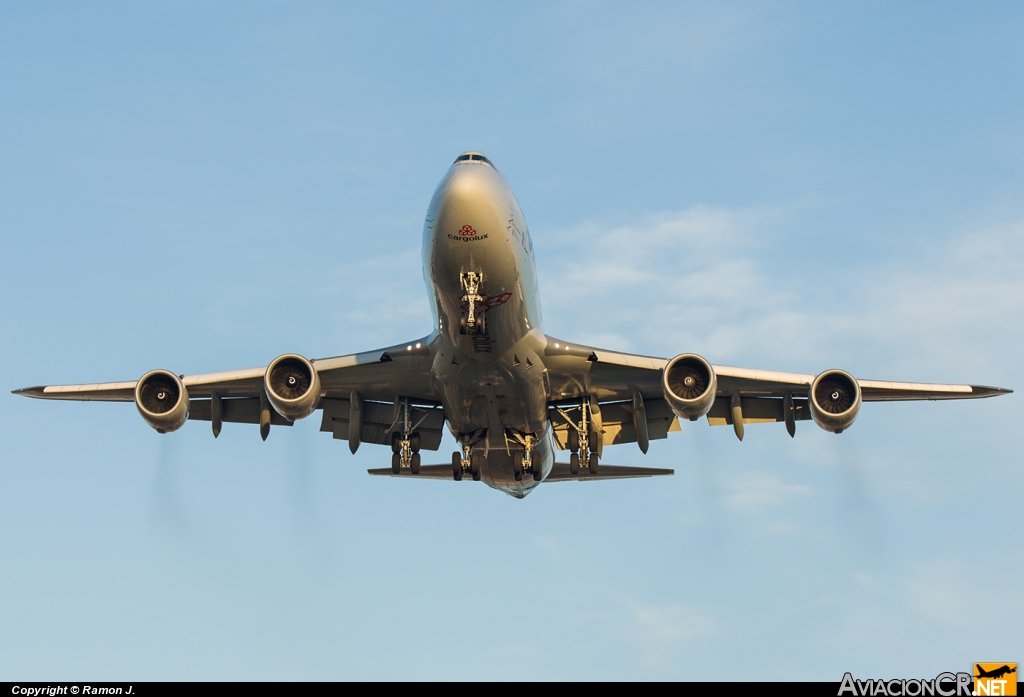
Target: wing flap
<point x="617" y="422"/>
<point x="756" y="410"/>
<point x="239" y="410"/>
<point x="379" y="421"/>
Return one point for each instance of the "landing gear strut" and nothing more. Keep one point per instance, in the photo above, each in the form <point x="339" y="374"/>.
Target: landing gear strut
<point x="522" y="461"/>
<point x="468" y="461"/>
<point x="405" y="444"/>
<point x="470" y="281"/>
<point x="584" y="440"/>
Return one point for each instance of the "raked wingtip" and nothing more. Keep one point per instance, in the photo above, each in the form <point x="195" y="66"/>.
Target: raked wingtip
<point x="30" y="391"/>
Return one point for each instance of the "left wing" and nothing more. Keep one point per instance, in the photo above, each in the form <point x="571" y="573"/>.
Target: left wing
<point x="614" y="378"/>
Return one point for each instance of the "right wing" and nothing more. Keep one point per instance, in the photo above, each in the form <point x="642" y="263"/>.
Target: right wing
<point x="381" y="378"/>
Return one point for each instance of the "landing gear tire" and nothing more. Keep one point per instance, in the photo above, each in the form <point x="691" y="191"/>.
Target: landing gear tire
<point x="594" y="442"/>
<point x="414" y="442"/>
<point x="457" y="466"/>
<point x="574" y="440"/>
<point x="537" y="474"/>
<point x="574" y="463"/>
<point x="396" y="463"/>
<point x="517" y="466"/>
<point x="592" y="463"/>
<point x="396" y="442"/>
<point x="414" y="463"/>
<point x="476" y="462"/>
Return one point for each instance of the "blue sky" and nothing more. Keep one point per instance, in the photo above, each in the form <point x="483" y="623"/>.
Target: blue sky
<point x="203" y="186"/>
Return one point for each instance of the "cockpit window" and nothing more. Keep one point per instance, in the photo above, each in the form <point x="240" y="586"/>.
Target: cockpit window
<point x="473" y="157"/>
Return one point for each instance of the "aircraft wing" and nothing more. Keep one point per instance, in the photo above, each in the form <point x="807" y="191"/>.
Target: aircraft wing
<point x="614" y="378"/>
<point x="379" y="376"/>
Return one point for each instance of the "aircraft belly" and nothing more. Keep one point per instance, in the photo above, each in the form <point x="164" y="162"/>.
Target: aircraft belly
<point x="509" y="391"/>
<point x="497" y="472"/>
<point x="490" y="374"/>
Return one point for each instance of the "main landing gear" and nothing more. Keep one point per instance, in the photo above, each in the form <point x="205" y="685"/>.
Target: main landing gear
<point x="471" y="461"/>
<point x="584" y="440"/>
<point x="522" y="460"/>
<point x="405" y="444"/>
<point x="467" y="461"/>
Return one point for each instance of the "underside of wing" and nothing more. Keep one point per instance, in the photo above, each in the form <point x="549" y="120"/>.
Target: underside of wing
<point x="385" y="382"/>
<point x="618" y="384"/>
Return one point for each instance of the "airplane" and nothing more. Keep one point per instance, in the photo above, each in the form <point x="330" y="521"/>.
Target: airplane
<point x="996" y="673"/>
<point x="510" y="394"/>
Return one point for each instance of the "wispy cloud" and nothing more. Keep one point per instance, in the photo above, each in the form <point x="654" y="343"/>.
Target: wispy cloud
<point x="727" y="283"/>
<point x="659" y="628"/>
<point x="755" y="491"/>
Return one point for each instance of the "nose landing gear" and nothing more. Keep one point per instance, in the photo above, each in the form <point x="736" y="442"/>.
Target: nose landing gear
<point x="471" y="281"/>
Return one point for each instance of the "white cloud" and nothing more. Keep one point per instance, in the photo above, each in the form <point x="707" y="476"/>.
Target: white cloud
<point x="731" y="284"/>
<point x="660" y="627"/>
<point x="755" y="491"/>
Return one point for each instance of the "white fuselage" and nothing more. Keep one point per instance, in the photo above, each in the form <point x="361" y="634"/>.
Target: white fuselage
<point x="491" y="379"/>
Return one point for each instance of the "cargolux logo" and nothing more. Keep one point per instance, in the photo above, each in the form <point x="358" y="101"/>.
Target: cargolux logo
<point x="467" y="231"/>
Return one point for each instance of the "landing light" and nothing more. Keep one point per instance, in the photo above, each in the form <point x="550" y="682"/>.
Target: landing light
<point x="418" y="345"/>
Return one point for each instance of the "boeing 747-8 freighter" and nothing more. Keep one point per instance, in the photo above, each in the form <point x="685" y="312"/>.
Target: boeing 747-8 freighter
<point x="510" y="394"/>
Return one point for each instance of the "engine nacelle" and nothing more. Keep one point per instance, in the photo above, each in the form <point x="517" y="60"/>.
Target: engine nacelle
<point x="689" y="383"/>
<point x="834" y="400"/>
<point x="162" y="400"/>
<point x="293" y="386"/>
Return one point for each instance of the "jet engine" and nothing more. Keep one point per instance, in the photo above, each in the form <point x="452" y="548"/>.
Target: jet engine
<point x="834" y="400"/>
<point x="689" y="383"/>
<point x="162" y="400"/>
<point x="293" y="386"/>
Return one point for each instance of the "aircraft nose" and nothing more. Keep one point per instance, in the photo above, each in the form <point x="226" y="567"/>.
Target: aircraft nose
<point x="472" y="188"/>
